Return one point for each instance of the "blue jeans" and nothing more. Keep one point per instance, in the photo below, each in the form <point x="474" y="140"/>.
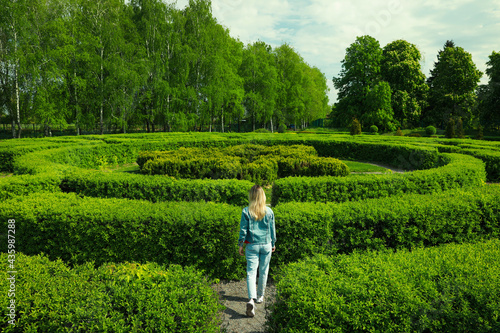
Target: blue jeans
<point x="258" y="255"/>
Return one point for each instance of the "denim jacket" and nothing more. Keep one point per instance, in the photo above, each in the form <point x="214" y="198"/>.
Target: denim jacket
<point x="257" y="232"/>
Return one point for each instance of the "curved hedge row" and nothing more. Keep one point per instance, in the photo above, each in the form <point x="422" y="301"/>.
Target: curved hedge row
<point x="205" y="235"/>
<point x="256" y="163"/>
<point x="458" y="171"/>
<point x="96" y="155"/>
<point x="398" y="222"/>
<point x="126" y="297"/>
<point x="27" y="184"/>
<point x="79" y="230"/>
<point x="155" y="188"/>
<point x="491" y="158"/>
<point x="453" y="288"/>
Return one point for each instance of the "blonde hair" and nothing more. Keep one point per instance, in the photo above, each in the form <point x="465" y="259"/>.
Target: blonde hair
<point x="257" y="202"/>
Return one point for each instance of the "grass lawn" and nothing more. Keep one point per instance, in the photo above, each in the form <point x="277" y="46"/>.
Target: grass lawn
<point x="364" y="167"/>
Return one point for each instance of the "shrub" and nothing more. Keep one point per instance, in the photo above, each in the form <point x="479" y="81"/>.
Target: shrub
<point x="355" y="127"/>
<point x="126" y="297"/>
<point x="460" y="129"/>
<point x="399" y="132"/>
<point x="373" y="129"/>
<point x="450" y="129"/>
<point x="430" y="130"/>
<point x="311" y="167"/>
<point x="480" y="134"/>
<point x="453" y="288"/>
<point x="281" y="128"/>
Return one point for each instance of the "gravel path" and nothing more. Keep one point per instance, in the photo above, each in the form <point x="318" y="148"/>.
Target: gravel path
<point x="234" y="297"/>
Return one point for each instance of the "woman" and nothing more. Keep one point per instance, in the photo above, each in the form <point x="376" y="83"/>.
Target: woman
<point x="257" y="230"/>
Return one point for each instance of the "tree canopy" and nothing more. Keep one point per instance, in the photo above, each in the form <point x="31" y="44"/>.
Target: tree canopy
<point x="386" y="87"/>
<point x="452" y="86"/>
<point x="116" y="65"/>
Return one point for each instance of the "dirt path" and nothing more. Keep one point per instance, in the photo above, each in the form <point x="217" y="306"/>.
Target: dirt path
<point x="234" y="296"/>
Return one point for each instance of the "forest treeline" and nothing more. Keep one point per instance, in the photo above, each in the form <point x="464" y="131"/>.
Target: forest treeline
<point x="115" y="65"/>
<point x="386" y="87"/>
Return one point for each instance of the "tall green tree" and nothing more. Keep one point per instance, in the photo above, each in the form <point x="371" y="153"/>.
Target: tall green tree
<point x="489" y="95"/>
<point x="14" y="26"/>
<point x="316" y="96"/>
<point x="102" y="19"/>
<point x="160" y="27"/>
<point x="199" y="27"/>
<point x="361" y="93"/>
<point x="401" y="69"/>
<point x="258" y="70"/>
<point x="452" y="86"/>
<point x="290" y="103"/>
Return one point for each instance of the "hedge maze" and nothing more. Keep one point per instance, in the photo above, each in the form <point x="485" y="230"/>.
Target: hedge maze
<point x="407" y="243"/>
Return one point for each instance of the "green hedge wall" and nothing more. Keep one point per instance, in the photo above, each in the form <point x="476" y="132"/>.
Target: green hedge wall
<point x="403" y="156"/>
<point x="78" y="230"/>
<point x="460" y="171"/>
<point x="125" y="297"/>
<point x="155" y="188"/>
<point x="27" y="184"/>
<point x="204" y="235"/>
<point x="453" y="288"/>
<point x="488" y="152"/>
<point x="406" y="221"/>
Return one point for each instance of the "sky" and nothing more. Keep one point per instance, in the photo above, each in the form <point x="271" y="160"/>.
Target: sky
<point x="321" y="30"/>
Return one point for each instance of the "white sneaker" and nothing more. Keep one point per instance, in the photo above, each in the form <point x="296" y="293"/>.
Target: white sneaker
<point x="260" y="299"/>
<point x="250" y="308"/>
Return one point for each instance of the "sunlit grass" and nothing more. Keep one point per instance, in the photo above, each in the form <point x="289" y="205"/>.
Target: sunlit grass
<point x="364" y="167"/>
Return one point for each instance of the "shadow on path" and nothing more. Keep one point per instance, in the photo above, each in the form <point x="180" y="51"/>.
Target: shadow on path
<point x="233" y="295"/>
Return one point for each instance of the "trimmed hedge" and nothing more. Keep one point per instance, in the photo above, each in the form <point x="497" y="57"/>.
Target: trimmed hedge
<point x="460" y="171"/>
<point x="256" y="163"/>
<point x="400" y="155"/>
<point x="155" y="188"/>
<point x="399" y="222"/>
<point x="125" y="297"/>
<point x="205" y="235"/>
<point x="453" y="288"/>
<point x="27" y="184"/>
<point x="78" y="230"/>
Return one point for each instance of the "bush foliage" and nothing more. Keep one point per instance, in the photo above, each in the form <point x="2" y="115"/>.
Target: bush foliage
<point x="397" y="222"/>
<point x="125" y="297"/>
<point x="453" y="288"/>
<point x="155" y="188"/>
<point x="204" y="235"/>
<point x="461" y="171"/>
<point x="258" y="164"/>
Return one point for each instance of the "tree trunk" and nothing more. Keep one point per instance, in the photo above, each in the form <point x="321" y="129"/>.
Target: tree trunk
<point x="272" y="129"/>
<point x="77" y="116"/>
<point x="101" y="120"/>
<point x="222" y="120"/>
<point x="16" y="75"/>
